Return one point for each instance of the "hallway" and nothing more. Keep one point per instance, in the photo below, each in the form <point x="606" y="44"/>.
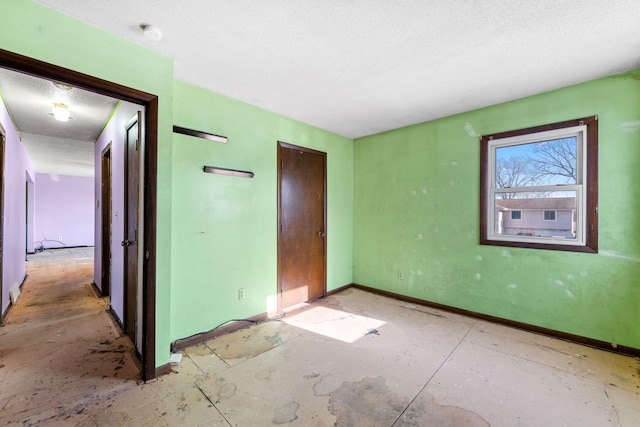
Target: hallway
<point x="59" y="344"/>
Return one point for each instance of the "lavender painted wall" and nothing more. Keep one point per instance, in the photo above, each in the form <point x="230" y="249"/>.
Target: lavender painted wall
<point x="64" y="210"/>
<point x="113" y="134"/>
<point x="18" y="170"/>
<point x="31" y="214"/>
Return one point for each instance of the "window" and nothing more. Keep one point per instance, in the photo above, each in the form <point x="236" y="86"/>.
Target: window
<point x="539" y="187"/>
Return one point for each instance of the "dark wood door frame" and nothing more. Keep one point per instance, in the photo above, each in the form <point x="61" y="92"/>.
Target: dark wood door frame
<point x="2" y="150"/>
<point x="130" y="242"/>
<point x="23" y="64"/>
<point x="286" y="146"/>
<point x="105" y="197"/>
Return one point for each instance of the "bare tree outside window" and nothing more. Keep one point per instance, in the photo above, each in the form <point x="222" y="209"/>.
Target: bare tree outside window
<point x="555" y="159"/>
<point x="515" y="171"/>
<point x="541" y="163"/>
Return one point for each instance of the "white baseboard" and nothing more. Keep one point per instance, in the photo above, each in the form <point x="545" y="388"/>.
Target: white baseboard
<point x="14" y="294"/>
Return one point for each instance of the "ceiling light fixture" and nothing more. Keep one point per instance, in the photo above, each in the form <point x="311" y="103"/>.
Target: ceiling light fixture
<point x="151" y="32"/>
<point x="61" y="112"/>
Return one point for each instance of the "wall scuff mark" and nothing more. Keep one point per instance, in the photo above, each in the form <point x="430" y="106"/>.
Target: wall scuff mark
<point x="468" y="127"/>
<point x="629" y="127"/>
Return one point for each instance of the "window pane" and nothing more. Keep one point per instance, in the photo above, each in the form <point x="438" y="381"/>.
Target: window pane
<point x="540" y="214"/>
<point x="538" y="163"/>
<point x="548" y="168"/>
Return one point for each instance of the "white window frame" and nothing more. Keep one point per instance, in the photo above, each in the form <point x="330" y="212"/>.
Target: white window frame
<point x="544" y="214"/>
<point x="580" y="133"/>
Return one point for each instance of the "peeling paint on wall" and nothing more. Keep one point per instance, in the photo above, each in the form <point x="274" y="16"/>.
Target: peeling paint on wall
<point x="615" y="255"/>
<point x="468" y="127"/>
<point x="629" y="127"/>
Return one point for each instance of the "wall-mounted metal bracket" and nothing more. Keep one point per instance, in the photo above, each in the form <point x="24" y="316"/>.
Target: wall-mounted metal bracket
<point x="200" y="134"/>
<point x="223" y="171"/>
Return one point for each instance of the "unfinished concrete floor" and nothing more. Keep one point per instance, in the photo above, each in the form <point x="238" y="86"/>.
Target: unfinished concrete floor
<point x="353" y="359"/>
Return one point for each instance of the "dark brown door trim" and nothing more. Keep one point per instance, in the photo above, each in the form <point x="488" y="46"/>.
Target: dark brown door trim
<point x="2" y="150"/>
<point x="44" y="70"/>
<point x="105" y="209"/>
<point x="131" y="212"/>
<point x="286" y="146"/>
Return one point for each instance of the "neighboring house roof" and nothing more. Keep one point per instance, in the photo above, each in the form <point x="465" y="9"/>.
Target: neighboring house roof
<point x="546" y="203"/>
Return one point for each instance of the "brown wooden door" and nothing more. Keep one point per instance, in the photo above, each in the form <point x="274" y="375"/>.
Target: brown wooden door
<point x="302" y="232"/>
<point x="130" y="243"/>
<point x="105" y="277"/>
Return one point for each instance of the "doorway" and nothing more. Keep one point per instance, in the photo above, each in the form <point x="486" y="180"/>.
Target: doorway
<point x="105" y="187"/>
<point x="302" y="204"/>
<point x="147" y="270"/>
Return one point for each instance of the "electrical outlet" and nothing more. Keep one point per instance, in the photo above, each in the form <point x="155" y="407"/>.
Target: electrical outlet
<point x="400" y="274"/>
<point x="60" y="238"/>
<point x="241" y="293"/>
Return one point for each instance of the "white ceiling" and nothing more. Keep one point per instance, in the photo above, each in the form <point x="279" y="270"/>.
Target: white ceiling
<point x="64" y="148"/>
<point x="361" y="67"/>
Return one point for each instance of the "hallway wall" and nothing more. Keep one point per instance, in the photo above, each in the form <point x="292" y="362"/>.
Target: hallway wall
<point x="113" y="133"/>
<point x="64" y="208"/>
<point x="18" y="170"/>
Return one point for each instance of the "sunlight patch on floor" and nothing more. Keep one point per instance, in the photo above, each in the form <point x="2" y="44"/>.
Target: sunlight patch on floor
<point x="336" y="324"/>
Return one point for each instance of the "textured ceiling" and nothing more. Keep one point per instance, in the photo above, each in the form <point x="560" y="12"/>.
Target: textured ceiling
<point x="55" y="147"/>
<point x="59" y="156"/>
<point x="362" y="67"/>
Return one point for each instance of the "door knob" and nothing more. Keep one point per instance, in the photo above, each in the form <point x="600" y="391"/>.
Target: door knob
<point x="321" y="233"/>
<point x="125" y="243"/>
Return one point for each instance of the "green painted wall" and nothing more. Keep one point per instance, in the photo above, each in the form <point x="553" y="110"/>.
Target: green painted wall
<point x="402" y="200"/>
<point x="225" y="235"/>
<point x="39" y="32"/>
<point x="225" y="228"/>
<point x="416" y="209"/>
